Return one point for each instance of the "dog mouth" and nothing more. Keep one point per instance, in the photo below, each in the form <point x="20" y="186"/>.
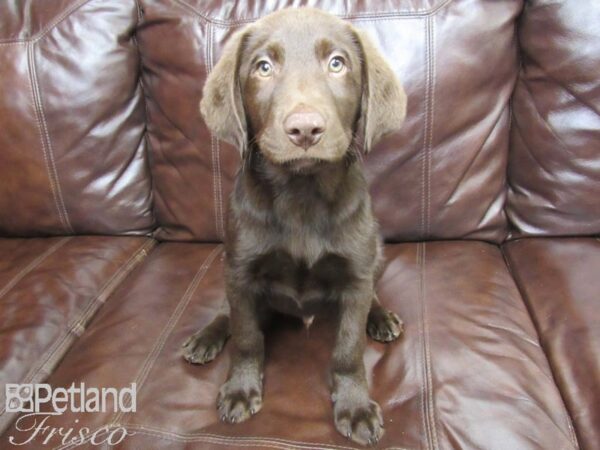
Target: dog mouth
<point x="303" y="165"/>
<point x="300" y="161"/>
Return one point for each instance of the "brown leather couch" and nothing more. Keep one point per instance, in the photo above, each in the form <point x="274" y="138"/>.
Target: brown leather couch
<point x="112" y="204"/>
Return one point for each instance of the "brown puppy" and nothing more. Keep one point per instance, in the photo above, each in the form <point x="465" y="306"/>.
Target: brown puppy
<point x="296" y="91"/>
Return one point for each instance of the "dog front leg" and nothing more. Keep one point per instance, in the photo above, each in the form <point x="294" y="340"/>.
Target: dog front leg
<point x="204" y="345"/>
<point x="356" y="416"/>
<point x="241" y="395"/>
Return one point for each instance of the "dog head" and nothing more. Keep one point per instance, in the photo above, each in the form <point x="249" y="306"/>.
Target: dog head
<point x="300" y="85"/>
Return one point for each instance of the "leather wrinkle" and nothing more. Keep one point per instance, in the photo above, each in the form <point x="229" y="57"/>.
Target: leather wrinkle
<point x="462" y="177"/>
<point x="548" y="76"/>
<point x="140" y="18"/>
<point x="519" y="130"/>
<point x="542" y="118"/>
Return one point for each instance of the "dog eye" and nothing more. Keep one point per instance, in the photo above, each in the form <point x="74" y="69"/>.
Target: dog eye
<point x="264" y="68"/>
<point x="336" y="64"/>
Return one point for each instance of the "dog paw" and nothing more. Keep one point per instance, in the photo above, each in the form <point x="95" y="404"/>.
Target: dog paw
<point x="238" y="401"/>
<point x="361" y="423"/>
<point x="384" y="325"/>
<point x="203" y="347"/>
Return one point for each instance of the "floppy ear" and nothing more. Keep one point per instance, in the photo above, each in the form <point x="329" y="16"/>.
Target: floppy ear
<point x="221" y="104"/>
<point x="383" y="105"/>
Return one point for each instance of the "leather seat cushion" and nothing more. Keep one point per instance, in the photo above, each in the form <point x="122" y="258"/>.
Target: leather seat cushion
<point x="560" y="283"/>
<point x="468" y="373"/>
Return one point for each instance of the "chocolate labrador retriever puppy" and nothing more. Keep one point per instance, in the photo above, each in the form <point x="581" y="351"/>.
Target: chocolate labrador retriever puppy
<point x="301" y="93"/>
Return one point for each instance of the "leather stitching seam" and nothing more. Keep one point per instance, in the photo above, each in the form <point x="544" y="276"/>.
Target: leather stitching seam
<point x="79" y="320"/>
<point x="423" y="154"/>
<point x="48" y="28"/>
<point x="354" y="17"/>
<point x="109" y="286"/>
<point x="32" y="265"/>
<point x="430" y="406"/>
<point x="214" y="142"/>
<point x="36" y="373"/>
<point x="239" y="441"/>
<point x="420" y="357"/>
<point x="76" y="327"/>
<point x="46" y="144"/>
<point x="431" y="46"/>
<point x="169" y="326"/>
<point x="428" y="129"/>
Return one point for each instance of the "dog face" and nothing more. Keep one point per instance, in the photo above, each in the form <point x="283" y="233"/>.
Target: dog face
<point x="301" y="88"/>
<point x="302" y="85"/>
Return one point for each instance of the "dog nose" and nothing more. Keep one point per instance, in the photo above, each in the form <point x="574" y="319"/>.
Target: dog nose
<point x="304" y="128"/>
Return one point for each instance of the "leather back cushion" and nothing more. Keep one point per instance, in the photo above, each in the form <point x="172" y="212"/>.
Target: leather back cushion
<point x="441" y="176"/>
<point x="72" y="151"/>
<point x="554" y="169"/>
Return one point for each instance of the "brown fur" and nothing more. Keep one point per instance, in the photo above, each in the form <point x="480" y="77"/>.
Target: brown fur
<point x="301" y="236"/>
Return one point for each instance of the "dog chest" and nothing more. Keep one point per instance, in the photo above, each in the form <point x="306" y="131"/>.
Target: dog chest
<point x="292" y="286"/>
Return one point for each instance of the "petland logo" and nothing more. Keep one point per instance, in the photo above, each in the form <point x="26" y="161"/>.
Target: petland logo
<point x="41" y="401"/>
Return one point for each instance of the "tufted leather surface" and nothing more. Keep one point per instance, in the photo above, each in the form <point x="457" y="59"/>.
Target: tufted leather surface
<point x="559" y="281"/>
<point x="73" y="155"/>
<point x="468" y="373"/>
<point x="554" y="170"/>
<point x="49" y="290"/>
<point x="442" y="176"/>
